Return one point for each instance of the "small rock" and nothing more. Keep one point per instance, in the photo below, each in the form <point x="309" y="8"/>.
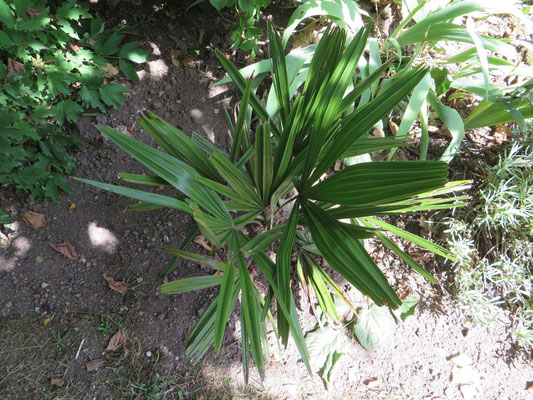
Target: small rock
<point x="140" y="279"/>
<point x="39" y="259"/>
<point x="148" y="354"/>
<point x="44" y="285"/>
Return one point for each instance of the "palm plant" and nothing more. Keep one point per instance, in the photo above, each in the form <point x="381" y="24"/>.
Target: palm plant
<point x="331" y="214"/>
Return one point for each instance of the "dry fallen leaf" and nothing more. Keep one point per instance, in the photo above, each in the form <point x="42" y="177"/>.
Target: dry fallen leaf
<point x="48" y="320"/>
<point x="200" y="239"/>
<point x="57" y="382"/>
<point x="34" y="220"/>
<point x="95" y="364"/>
<point x="120" y="287"/>
<point x="117" y="340"/>
<point x="66" y="249"/>
<point x="73" y="46"/>
<point x="72" y="207"/>
<point x="309" y="35"/>
<point x="33" y="12"/>
<point x="14" y="66"/>
<point x="393" y="127"/>
<point x="109" y="70"/>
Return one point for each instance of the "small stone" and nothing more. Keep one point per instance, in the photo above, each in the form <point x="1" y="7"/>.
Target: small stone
<point x="39" y="259"/>
<point x="44" y="285"/>
<point x="216" y="110"/>
<point x="140" y="279"/>
<point x="148" y="354"/>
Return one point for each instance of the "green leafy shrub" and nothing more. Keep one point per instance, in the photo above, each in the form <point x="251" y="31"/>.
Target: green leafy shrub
<point x="51" y="65"/>
<point x="228" y="194"/>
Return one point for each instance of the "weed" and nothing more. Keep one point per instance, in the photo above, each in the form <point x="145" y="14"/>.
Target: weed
<point x="60" y="342"/>
<point x="108" y="325"/>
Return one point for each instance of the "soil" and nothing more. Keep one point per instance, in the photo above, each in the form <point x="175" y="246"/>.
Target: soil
<point x="57" y="314"/>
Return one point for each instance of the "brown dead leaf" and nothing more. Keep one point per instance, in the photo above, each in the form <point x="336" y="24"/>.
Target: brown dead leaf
<point x="117" y="340"/>
<point x="95" y="364"/>
<point x="109" y="70"/>
<point x="34" y="220"/>
<point x="33" y="12"/>
<point x="73" y="46"/>
<point x="14" y="66"/>
<point x="57" y="382"/>
<point x="174" y="53"/>
<point x="393" y="127"/>
<point x="66" y="249"/>
<point x="120" y="287"/>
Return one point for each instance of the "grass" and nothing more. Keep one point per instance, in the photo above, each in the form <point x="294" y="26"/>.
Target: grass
<point x="493" y="244"/>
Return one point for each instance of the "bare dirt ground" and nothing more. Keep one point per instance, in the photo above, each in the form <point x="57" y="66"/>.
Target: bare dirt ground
<point x="57" y="315"/>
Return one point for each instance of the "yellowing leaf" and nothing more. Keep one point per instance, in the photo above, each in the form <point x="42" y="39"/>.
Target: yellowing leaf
<point x="48" y="320"/>
<point x="72" y="207"/>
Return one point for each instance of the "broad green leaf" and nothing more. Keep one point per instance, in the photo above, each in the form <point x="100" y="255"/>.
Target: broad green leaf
<point x="400" y="253"/>
<point x="360" y="121"/>
<point x="266" y="266"/>
<point x="418" y="98"/>
<point x="283" y="270"/>
<point x="141" y="195"/>
<point x="175" y="172"/>
<point x="453" y="121"/>
<point x="237" y="180"/>
<point x="128" y="70"/>
<point x="491" y="114"/>
<point x="326" y="347"/>
<point x="347" y="255"/>
<point x="197" y="258"/>
<point x="190" y="284"/>
<point x="373" y="326"/>
<point x="426" y="244"/>
<point x="113" y="94"/>
<point x="369" y="183"/>
<point x="143" y="179"/>
<point x="132" y="52"/>
<point x="224" y="302"/>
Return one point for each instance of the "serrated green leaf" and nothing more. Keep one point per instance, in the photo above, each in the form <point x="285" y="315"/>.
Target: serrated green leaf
<point x="112" y="94"/>
<point x="127" y="69"/>
<point x="91" y="98"/>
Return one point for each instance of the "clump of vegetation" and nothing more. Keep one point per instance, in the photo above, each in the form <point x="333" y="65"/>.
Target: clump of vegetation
<point x="54" y="62"/>
<point x="495" y="248"/>
<point x="291" y="150"/>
